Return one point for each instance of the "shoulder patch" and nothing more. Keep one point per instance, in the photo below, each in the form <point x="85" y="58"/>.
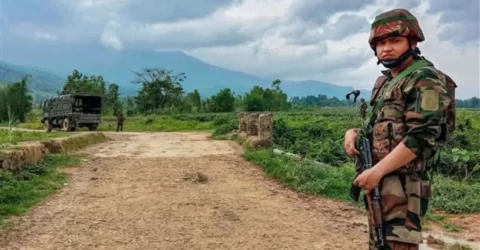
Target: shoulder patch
<point x="430" y="100"/>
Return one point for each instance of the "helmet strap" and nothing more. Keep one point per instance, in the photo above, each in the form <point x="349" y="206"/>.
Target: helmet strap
<point x="392" y="63"/>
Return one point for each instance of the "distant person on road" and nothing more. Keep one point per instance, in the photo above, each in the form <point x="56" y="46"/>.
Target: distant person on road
<point x="363" y="108"/>
<point x="120" y="120"/>
<point x="408" y="122"/>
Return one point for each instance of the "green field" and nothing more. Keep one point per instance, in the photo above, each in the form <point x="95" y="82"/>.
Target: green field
<point x="184" y="122"/>
<point x="318" y="133"/>
<point x="320" y="136"/>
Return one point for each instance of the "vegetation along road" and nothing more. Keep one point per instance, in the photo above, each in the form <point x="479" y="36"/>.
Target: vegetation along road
<point x="181" y="190"/>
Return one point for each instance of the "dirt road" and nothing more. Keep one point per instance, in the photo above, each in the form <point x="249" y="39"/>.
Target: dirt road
<point x="181" y="191"/>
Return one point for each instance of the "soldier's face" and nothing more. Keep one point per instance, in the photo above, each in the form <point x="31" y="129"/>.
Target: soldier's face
<point x="392" y="47"/>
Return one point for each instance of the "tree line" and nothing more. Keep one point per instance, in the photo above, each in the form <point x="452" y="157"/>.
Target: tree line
<point x="473" y="102"/>
<point x="324" y="101"/>
<point x="162" y="93"/>
<point x="319" y="101"/>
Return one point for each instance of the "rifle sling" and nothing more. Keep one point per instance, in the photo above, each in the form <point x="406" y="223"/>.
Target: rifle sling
<point x="386" y="87"/>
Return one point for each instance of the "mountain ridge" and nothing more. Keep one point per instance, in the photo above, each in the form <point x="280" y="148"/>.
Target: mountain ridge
<point x="117" y="67"/>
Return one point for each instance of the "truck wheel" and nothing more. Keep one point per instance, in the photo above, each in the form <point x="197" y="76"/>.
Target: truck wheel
<point x="65" y="124"/>
<point x="47" y="126"/>
<point x="92" y="127"/>
<point x="67" y="127"/>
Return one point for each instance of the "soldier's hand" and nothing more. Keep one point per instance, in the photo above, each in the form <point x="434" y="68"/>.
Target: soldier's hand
<point x="349" y="143"/>
<point x="368" y="179"/>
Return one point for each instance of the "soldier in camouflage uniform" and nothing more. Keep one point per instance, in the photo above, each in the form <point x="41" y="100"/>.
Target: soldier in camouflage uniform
<point x="120" y="120"/>
<point x="404" y="128"/>
<point x="363" y="108"/>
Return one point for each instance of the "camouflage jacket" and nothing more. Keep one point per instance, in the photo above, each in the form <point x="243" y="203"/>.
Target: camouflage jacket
<point x="411" y="114"/>
<point x="120" y="118"/>
<point x="363" y="107"/>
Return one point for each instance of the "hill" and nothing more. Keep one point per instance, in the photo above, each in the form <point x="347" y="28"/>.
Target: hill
<point x="41" y="83"/>
<point x="117" y="66"/>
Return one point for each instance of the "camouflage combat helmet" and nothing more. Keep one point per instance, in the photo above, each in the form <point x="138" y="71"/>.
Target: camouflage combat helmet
<point x="397" y="22"/>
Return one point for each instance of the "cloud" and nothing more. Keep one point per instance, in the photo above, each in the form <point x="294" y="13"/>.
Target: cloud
<point x="184" y="35"/>
<point x="152" y="11"/>
<point x="31" y="11"/>
<point x="456" y="11"/>
<point x="406" y="4"/>
<point x="319" y="11"/>
<point x="339" y="51"/>
<point x="461" y="19"/>
<point x="347" y="25"/>
<point x="304" y="33"/>
<point x="288" y="39"/>
<point x="44" y="36"/>
<point x="109" y="37"/>
<point x="232" y="26"/>
<point x="464" y="33"/>
<point x="28" y="31"/>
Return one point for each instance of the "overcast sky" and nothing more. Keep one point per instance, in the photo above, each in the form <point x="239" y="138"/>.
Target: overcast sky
<point x="322" y="40"/>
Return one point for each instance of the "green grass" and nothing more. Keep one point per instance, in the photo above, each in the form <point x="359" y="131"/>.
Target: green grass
<point x="458" y="246"/>
<point x="306" y="177"/>
<point x="156" y="123"/>
<point x="430" y="216"/>
<point x="22" y="189"/>
<point x="452" y="227"/>
<point x="9" y="139"/>
<point x="319" y="134"/>
<point x="449" y="195"/>
<point x="224" y="125"/>
<point x="167" y="123"/>
<point x="454" y="196"/>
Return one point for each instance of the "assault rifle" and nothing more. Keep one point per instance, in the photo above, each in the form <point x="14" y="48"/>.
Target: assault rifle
<point x="373" y="198"/>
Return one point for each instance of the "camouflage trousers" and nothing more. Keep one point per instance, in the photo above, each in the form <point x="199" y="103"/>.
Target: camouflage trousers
<point x="119" y="126"/>
<point x="363" y="115"/>
<point x="391" y="245"/>
<point x="404" y="201"/>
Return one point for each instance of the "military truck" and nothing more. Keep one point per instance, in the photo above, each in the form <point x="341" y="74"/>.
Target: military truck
<point x="70" y="112"/>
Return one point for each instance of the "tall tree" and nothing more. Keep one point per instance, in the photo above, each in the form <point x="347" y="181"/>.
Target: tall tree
<point x="78" y="82"/>
<point x="268" y="99"/>
<point x="194" y="101"/>
<point x="160" y="89"/>
<point x="223" y="101"/>
<point x="112" y="99"/>
<point x="254" y="101"/>
<point x="16" y="99"/>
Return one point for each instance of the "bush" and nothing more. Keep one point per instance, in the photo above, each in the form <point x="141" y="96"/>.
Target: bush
<point x="223" y="119"/>
<point x="307" y="177"/>
<point x="454" y="196"/>
<point x="334" y="182"/>
<point x="224" y="125"/>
